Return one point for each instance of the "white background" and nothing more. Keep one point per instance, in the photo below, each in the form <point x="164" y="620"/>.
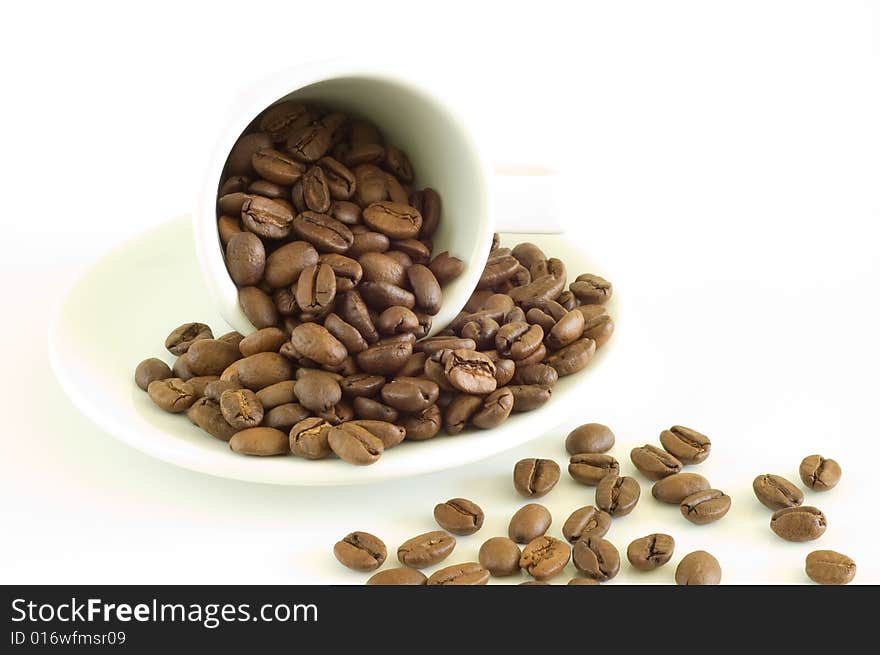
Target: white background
<point x="726" y="157"/>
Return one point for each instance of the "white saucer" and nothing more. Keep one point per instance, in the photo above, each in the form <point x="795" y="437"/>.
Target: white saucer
<point x="122" y="308"/>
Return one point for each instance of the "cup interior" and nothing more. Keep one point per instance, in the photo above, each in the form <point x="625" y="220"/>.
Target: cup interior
<point x="443" y="154"/>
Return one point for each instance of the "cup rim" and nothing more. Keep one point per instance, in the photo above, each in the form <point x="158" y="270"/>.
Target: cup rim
<point x="254" y="98"/>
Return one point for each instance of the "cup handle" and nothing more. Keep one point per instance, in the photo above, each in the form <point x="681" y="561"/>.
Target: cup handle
<point x="526" y="199"/>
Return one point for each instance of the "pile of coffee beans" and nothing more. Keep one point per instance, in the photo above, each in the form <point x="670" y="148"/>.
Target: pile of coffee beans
<point x="529" y="548"/>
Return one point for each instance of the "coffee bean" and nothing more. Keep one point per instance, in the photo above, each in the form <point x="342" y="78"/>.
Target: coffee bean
<point x="201" y="382"/>
<point x="617" y="495"/>
<point x="397" y="320"/>
<point x="316" y="289"/>
<point x="426" y="288"/>
<point x="500" y="556"/>
<point x="589" y="582"/>
<point x="205" y="413"/>
<point x="437" y="343"/>
<point x="277" y="167"/>
<point x="386" y="431"/>
<point x="245" y="258"/>
<point x="470" y="573"/>
<point x="654" y="463"/>
<point x="257" y="305"/>
<point x="528" y="523"/>
<point x="399" y="576"/>
<point x="698" y="568"/>
<point x="526" y="397"/>
<point x="650" y="552"/>
<point x="260" y="441"/>
<point x="347" y="213"/>
<point x="460" y="411"/>
<point x="227" y="227"/>
<point x="240" y="157"/>
<point x="172" y="394"/>
<point x="445" y="267"/>
<point x="819" y="474"/>
<point x="309" y="438"/>
<point x="360" y="551"/>
<point x="540" y="375"/>
<point x="828" y="567"/>
<point x="572" y="358"/>
<point x="324" y="232"/>
<point x="214" y="390"/>
<point x="241" y="409"/>
<point x="686" y="445"/>
<point x="181" y="338"/>
<point x="426" y="549"/>
<point x="348" y="271"/>
<point x="567" y="330"/>
<point x="310" y="142"/>
<point x="355" y="444"/>
<point x="395" y="220"/>
<point x="410" y="394"/>
<point x="276" y="394"/>
<point x="470" y="371"/>
<point x="586" y="522"/>
<point x="544" y="557"/>
<point x="284" y="265"/>
<point x="596" y="558"/>
<point x="592" y="468"/>
<point x="315" y="342"/>
<point x="599" y="329"/>
<point x="775" y="492"/>
<point x="266" y="340"/>
<point x="262" y="370"/>
<point x="150" y="370"/>
<point x="210" y="356"/>
<point x="268" y="189"/>
<point x="459" y="516"/>
<point x="677" y="487"/>
<point x="284" y="417"/>
<point x="802" y="523"/>
<point x="424" y="425"/>
<point x="588" y="438"/>
<point x="265" y="217"/>
<point x="384" y="359"/>
<point x="367" y="153"/>
<point x="534" y="478"/>
<point x="318" y="393"/>
<point x="495" y="410"/>
<point x="591" y="289"/>
<point x="340" y="180"/>
<point x="705" y="507"/>
<point x="282" y="118"/>
<point x="316" y="192"/>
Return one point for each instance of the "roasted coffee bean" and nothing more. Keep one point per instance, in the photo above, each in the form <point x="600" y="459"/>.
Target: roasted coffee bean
<point x="228" y="227"/>
<point x="210" y="356"/>
<point x="241" y="409"/>
<point x="316" y="192"/>
<point x="572" y="358"/>
<point x="316" y="289"/>
<point x="426" y="549"/>
<point x="705" y="507"/>
<point x="240" y="157"/>
<point x="437" y="343"/>
<point x="587" y="438"/>
<point x="445" y="267"/>
<point x="268" y="218"/>
<point x="535" y="358"/>
<point x="591" y="289"/>
<point x="495" y="410"/>
<point x="277" y="167"/>
<point x="214" y="390"/>
<point x="261" y="442"/>
<point x="309" y="438"/>
<point x="284" y="265"/>
<point x="339" y="178"/>
<point x="172" y="394"/>
<point x="698" y="568"/>
<point x="315" y="342"/>
<point x="234" y="184"/>
<point x="284" y="417"/>
<point x="354" y="311"/>
<point x="346" y="333"/>
<point x="567" y="330"/>
<point x="205" y="413"/>
<point x="347" y="270"/>
<point x="528" y="397"/>
<point x="429" y="204"/>
<point x="802" y="523"/>
<point x="379" y="267"/>
<point x="544" y="557"/>
<point x="538" y="317"/>
<point x="528" y="254"/>
<point x="675" y="488"/>
<point x="592" y="468"/>
<point x="368" y="241"/>
<point x="360" y="551"/>
<point x="482" y="330"/>
<point x="370" y="184"/>
<point x="310" y="142"/>
<point x="361" y="384"/>
<point x="245" y="258"/>
<point x="262" y="370"/>
<point x="459" y="516"/>
<point x="402" y="575"/>
<point x="460" y="411"/>
<point x="410" y="394"/>
<point x="418" y="252"/>
<point x="534" y="478"/>
<point x="385" y="358"/>
<point x="654" y="463"/>
<point x="354" y="444"/>
<point x="775" y="492"/>
<point x="596" y="558"/>
<point x="686" y="445"/>
<point x="830" y="568"/>
<point x="398" y="164"/>
<point x="528" y="523"/>
<point x="231" y="203"/>
<point x="396" y="192"/>
<point x="150" y="370"/>
<point x="470" y="371"/>
<point x="544" y="287"/>
<point x="818" y="473"/>
<point x="367" y="153"/>
<point x="424" y="425"/>
<point x="498" y="269"/>
<point x="617" y="495"/>
<point x="257" y="305"/>
<point x="324" y="232"/>
<point x="388" y="433"/>
<point x="397" y="320"/>
<point x="181" y="338"/>
<point x="395" y="220"/>
<point x="318" y="393"/>
<point x="598" y="329"/>
<point x="277" y="394"/>
<point x="266" y="340"/>
<point x="268" y="189"/>
<point x="586" y="522"/>
<point x="470" y="573"/>
<point x="282" y="118"/>
<point x="525" y="398"/>
<point x="426" y="288"/>
<point x="588" y="582"/>
<point x="201" y="382"/>
<point x="500" y="556"/>
<point x="231" y="337"/>
<point x="180" y="369"/>
<point x="650" y="552"/>
<point x="341" y="412"/>
<point x="382" y="295"/>
<point x="536" y="374"/>
<point x="347" y="213"/>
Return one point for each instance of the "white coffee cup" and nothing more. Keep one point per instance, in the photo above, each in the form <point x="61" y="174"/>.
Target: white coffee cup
<point x="477" y="199"/>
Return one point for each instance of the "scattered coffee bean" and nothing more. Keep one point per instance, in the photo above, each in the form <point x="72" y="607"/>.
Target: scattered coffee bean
<point x="529" y="522"/>
<point x="399" y="576"/>
<point x="426" y="549"/>
<point x="586" y="522"/>
<point x="698" y="568"/>
<point x="705" y="506"/>
<point x="591" y="289"/>
<point x="181" y="338"/>
<point x="205" y="413"/>
<point x="260" y="441"/>
<point x="360" y="551"/>
<point x="500" y="556"/>
<point x="802" y="523"/>
<point x="775" y="492"/>
<point x="544" y="557"/>
<point x="650" y="552"/>
<point x="470" y="573"/>
<point x="828" y="567"/>
<point x="618" y="495"/>
<point x="150" y="370"/>
<point x="686" y="445"/>
<point x="534" y="478"/>
<point x="354" y="444"/>
<point x="596" y="558"/>
<point x="459" y="516"/>
<point x="820" y="474"/>
<point x="241" y="409"/>
<point x="172" y="394"/>
<point x="589" y="438"/>
<point x="591" y="469"/>
<point x="654" y="463"/>
<point x="676" y="488"/>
